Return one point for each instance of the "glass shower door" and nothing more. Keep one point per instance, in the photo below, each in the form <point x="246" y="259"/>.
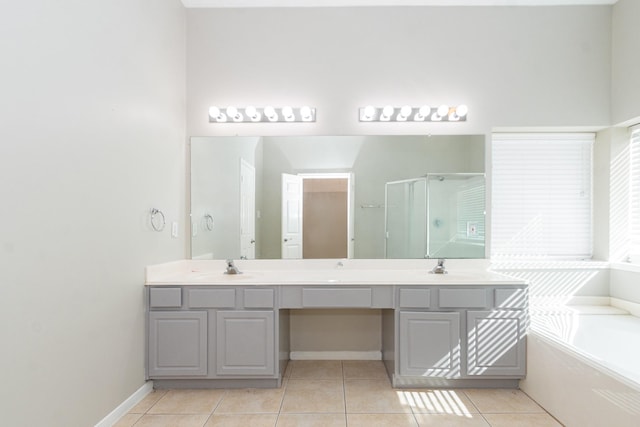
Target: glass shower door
<point x="456" y="216"/>
<point x="406" y="218"/>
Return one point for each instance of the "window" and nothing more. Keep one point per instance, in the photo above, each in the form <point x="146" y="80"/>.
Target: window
<point x="634" y="187"/>
<point x="541" y="196"/>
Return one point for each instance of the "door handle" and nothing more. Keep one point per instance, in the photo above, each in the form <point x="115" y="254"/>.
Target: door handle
<point x="253" y="241"/>
<point x="286" y="239"/>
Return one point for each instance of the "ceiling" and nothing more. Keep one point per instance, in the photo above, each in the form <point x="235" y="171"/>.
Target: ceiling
<point x="338" y="3"/>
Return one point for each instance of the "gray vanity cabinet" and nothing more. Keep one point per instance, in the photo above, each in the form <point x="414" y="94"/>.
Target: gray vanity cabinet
<point x="429" y="344"/>
<point x="213" y="334"/>
<point x="496" y="343"/>
<point x="460" y="333"/>
<point x="177" y="343"/>
<point x="245" y="343"/>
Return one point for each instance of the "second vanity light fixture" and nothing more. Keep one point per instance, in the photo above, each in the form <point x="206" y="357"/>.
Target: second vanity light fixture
<point x="266" y="114"/>
<point x="425" y="113"/>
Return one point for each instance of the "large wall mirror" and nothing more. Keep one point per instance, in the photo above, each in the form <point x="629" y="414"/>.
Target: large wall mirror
<point x="338" y="197"/>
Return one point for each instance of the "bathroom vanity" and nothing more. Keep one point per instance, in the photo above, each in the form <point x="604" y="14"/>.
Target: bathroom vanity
<point x="466" y="328"/>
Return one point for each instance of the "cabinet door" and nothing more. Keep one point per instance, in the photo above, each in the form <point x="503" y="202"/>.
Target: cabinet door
<point x="430" y="344"/>
<point x="177" y="343"/>
<point x="245" y="343"/>
<point x="496" y="345"/>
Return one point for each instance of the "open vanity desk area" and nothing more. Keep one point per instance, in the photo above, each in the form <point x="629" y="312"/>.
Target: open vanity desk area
<point x="208" y="329"/>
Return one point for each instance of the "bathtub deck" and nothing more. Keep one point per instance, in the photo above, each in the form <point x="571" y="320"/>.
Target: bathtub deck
<point x="583" y="364"/>
<point x="606" y="336"/>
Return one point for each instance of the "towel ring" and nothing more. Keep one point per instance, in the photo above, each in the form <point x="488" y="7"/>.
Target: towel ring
<point x="155" y="224"/>
<point x="208" y="222"/>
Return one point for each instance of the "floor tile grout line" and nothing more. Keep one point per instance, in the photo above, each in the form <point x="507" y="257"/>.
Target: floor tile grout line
<point x="284" y="385"/>
<point x="542" y="407"/>
<point x="344" y="394"/>
<point x="226" y="391"/>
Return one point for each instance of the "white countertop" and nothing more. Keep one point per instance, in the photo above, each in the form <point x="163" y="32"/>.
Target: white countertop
<point x="325" y="272"/>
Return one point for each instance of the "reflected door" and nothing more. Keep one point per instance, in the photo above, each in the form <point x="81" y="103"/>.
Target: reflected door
<point x="291" y="216"/>
<point x="247" y="210"/>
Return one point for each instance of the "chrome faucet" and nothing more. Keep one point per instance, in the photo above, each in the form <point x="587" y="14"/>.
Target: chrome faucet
<point x="439" y="269"/>
<point x="231" y="268"/>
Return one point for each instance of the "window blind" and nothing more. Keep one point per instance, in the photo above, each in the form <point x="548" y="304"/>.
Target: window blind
<point x="634" y="187"/>
<point x="541" y="196"/>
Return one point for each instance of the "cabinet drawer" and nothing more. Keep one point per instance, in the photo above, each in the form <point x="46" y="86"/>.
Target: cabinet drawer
<point x="258" y="298"/>
<point x="212" y="298"/>
<point x="165" y="297"/>
<point x="511" y="298"/>
<point x="336" y="297"/>
<point x="415" y="298"/>
<point x="462" y="298"/>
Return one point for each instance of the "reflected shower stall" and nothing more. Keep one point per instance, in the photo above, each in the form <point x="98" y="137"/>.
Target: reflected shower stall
<point x="435" y="216"/>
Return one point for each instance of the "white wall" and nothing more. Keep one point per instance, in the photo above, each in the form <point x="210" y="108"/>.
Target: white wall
<point x="92" y="138"/>
<point x="513" y="66"/>
<point x="625" y="62"/>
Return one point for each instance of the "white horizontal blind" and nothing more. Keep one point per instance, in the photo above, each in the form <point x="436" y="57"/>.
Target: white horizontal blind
<point x="634" y="182"/>
<point x="541" y="196"/>
<point x="471" y="206"/>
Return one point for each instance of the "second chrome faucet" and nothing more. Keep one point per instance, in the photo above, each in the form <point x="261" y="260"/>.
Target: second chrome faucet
<point x="439" y="268"/>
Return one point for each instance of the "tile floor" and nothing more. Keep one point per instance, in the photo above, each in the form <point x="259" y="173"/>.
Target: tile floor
<point x="337" y="393"/>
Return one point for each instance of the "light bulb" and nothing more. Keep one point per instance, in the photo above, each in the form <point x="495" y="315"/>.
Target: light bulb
<point x="252" y="113"/>
<point x="287" y="113"/>
<point x="367" y="113"/>
<point x="462" y="110"/>
<point x="234" y="114"/>
<point x="443" y="110"/>
<point x="422" y="113"/>
<point x="305" y="113"/>
<point x="387" y="112"/>
<point x="270" y="113"/>
<point x="405" y="112"/>
<point x="232" y="111"/>
<point x="214" y="112"/>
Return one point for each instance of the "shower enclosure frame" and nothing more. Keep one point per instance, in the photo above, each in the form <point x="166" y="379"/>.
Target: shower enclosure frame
<point x="428" y="214"/>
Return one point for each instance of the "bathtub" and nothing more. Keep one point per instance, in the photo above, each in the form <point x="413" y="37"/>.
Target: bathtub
<point x="584" y="365"/>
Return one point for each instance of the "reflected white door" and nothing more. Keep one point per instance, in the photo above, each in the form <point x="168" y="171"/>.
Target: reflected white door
<point x="247" y="210"/>
<point x="291" y="216"/>
<point x="351" y="216"/>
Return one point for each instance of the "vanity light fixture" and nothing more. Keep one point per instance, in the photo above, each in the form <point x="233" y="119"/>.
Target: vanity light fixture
<point x="252" y="114"/>
<point x="424" y="113"/>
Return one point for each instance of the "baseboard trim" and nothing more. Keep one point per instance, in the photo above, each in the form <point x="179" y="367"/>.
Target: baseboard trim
<point x="631" y="307"/>
<point x="126" y="406"/>
<point x="335" y="355"/>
